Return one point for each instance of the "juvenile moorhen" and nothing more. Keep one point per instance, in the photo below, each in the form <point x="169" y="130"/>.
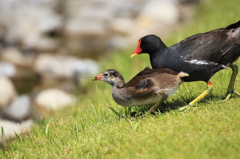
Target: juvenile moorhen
<point x="150" y="86"/>
<point x="200" y="55"/>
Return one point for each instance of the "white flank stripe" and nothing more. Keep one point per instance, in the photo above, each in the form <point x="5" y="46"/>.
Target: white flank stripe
<point x="198" y="62"/>
<point x="204" y="63"/>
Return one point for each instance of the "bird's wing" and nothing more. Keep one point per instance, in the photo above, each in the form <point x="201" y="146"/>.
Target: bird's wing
<point x="209" y="46"/>
<point x="144" y="83"/>
<point x="140" y="81"/>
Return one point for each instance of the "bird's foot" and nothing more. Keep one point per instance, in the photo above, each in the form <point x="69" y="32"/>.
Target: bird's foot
<point x="186" y="108"/>
<point x="137" y="115"/>
<point x="229" y="95"/>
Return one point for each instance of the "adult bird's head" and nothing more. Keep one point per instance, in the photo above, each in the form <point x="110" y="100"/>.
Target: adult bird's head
<point x="148" y="44"/>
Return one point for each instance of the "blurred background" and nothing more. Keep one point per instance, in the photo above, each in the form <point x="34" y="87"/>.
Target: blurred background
<point x="48" y="47"/>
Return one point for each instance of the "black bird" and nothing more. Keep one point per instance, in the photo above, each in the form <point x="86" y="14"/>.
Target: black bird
<point x="150" y="86"/>
<point x="200" y="55"/>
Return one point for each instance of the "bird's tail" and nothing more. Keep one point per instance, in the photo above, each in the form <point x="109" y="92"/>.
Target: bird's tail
<point x="234" y="32"/>
<point x="234" y="25"/>
<point x="183" y="74"/>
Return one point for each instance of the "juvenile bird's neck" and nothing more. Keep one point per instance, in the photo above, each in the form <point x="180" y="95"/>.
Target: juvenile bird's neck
<point x="118" y="82"/>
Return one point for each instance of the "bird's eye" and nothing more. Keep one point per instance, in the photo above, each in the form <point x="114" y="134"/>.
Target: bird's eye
<point x="105" y="74"/>
<point x="144" y="42"/>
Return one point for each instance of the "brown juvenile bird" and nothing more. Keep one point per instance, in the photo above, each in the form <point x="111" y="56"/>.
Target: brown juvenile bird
<point x="150" y="86"/>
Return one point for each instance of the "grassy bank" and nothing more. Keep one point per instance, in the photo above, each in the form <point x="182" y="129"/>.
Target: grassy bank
<point x="91" y="130"/>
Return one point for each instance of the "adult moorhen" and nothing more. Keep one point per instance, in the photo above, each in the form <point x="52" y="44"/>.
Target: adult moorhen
<point x="200" y="55"/>
<point x="150" y="86"/>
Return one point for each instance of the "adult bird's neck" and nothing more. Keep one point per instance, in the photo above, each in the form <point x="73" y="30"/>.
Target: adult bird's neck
<point x="157" y="58"/>
<point x="158" y="47"/>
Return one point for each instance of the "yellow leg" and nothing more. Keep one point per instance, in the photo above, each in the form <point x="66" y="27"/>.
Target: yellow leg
<point x="230" y="89"/>
<point x="200" y="97"/>
<point x="164" y="96"/>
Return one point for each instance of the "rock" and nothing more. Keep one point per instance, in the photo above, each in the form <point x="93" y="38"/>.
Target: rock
<point x="94" y="18"/>
<point x="164" y="11"/>
<point x="14" y="56"/>
<point x="53" y="99"/>
<point x="7" y="69"/>
<point x="122" y="26"/>
<point x="63" y="72"/>
<point x="26" y="80"/>
<point x="119" y="42"/>
<point x="84" y="67"/>
<point x="12" y="128"/>
<point x="90" y="24"/>
<point x="52" y="68"/>
<point x="76" y="28"/>
<point x="156" y="17"/>
<point x="188" y="1"/>
<point x="7" y="92"/>
<point x="31" y="24"/>
<point x="84" y="27"/>
<point x="19" y="110"/>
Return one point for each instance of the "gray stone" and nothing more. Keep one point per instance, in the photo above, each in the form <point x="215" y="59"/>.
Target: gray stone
<point x="155" y="17"/>
<point x="19" y="109"/>
<point x="119" y="42"/>
<point x="14" y="56"/>
<point x="12" y="128"/>
<point x="84" y="27"/>
<point x="30" y="23"/>
<point x="53" y="99"/>
<point x="7" y="92"/>
<point x="87" y="29"/>
<point x="164" y="11"/>
<point x="123" y="26"/>
<point x="91" y="24"/>
<point x="64" y="66"/>
<point x="7" y="69"/>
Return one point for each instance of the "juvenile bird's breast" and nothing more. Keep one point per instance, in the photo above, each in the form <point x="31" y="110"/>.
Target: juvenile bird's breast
<point x="127" y="98"/>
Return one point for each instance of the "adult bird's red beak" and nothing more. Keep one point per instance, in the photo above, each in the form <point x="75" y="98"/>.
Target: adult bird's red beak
<point x="137" y="51"/>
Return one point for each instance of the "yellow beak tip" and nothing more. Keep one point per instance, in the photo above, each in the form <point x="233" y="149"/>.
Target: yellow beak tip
<point x="133" y="55"/>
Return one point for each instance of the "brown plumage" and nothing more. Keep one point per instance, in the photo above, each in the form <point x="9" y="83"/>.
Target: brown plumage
<point x="150" y="86"/>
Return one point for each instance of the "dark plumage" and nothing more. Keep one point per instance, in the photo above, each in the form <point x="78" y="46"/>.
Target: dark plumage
<point x="150" y="86"/>
<point x="200" y="55"/>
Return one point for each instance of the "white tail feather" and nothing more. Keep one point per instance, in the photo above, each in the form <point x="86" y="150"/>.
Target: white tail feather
<point x="183" y="74"/>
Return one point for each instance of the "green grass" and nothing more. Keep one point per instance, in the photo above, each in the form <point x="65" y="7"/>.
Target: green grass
<point x="91" y="130"/>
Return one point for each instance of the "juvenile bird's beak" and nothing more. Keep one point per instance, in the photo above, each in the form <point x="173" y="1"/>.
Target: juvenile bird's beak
<point x="99" y="77"/>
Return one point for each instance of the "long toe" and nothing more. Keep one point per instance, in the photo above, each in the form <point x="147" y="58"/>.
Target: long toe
<point x="229" y="95"/>
<point x="237" y="93"/>
<point x="185" y="108"/>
